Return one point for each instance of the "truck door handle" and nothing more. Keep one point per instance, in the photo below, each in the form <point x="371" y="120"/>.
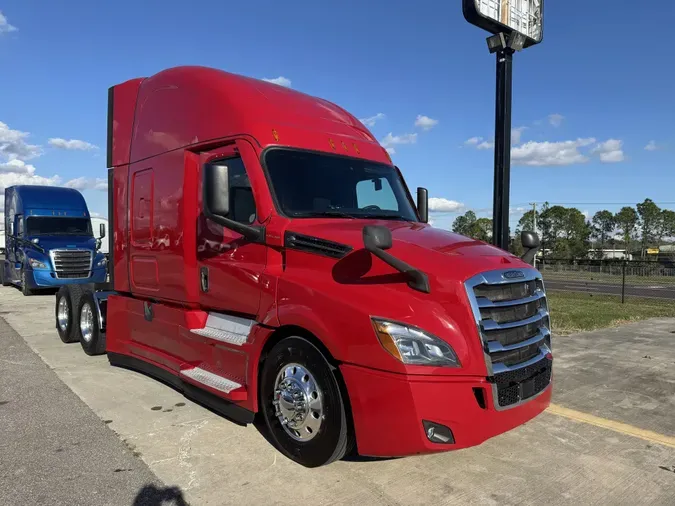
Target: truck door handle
<point x="204" y="279"/>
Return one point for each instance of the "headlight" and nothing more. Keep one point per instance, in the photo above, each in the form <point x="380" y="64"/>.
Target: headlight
<point x="101" y="262"/>
<point x="414" y="346"/>
<point x="35" y="264"/>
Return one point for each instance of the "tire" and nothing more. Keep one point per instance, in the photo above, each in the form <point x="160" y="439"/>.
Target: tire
<point x="71" y="295"/>
<point x="24" y="287"/>
<point x="91" y="337"/>
<point x="325" y="434"/>
<point x="2" y="275"/>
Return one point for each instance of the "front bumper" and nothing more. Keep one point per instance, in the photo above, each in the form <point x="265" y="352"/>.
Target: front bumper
<point x="43" y="278"/>
<point x="388" y="410"/>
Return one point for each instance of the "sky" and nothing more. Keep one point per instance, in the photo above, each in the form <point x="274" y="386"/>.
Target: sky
<point x="593" y="106"/>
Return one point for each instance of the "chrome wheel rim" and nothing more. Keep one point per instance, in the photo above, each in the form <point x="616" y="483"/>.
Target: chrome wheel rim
<point x="86" y="322"/>
<point x="62" y="314"/>
<point x="298" y="402"/>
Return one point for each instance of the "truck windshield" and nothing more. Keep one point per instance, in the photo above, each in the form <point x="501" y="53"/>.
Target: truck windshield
<point x="49" y="225"/>
<point x="316" y="185"/>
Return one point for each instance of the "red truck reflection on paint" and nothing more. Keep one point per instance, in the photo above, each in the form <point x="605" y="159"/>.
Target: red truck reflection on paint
<point x="268" y="260"/>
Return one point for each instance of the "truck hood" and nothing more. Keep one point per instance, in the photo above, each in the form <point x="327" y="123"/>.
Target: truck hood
<point x="359" y="285"/>
<point x="65" y="242"/>
<point x="441" y="254"/>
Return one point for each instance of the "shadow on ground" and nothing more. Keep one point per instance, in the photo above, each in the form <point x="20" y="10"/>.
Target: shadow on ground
<point x="152" y="495"/>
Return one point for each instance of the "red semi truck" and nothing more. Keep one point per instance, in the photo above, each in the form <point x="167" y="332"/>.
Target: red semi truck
<point x="268" y="261"/>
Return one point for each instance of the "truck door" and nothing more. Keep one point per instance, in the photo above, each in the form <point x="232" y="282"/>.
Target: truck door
<point x="15" y="251"/>
<point x="230" y="266"/>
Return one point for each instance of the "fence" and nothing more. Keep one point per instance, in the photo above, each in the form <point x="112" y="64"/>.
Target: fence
<point x="620" y="278"/>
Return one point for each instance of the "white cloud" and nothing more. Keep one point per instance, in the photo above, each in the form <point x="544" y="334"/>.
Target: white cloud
<point x="441" y="205"/>
<point x="610" y="151"/>
<point x="652" y="146"/>
<point x="391" y="140"/>
<point x="13" y="144"/>
<point x="72" y="144"/>
<point x="281" y="81"/>
<point x="370" y="122"/>
<point x="425" y="122"/>
<point x="550" y="153"/>
<point x="516" y="134"/>
<point x="16" y="166"/>
<point x="480" y="143"/>
<point x="586" y="214"/>
<point x="83" y="183"/>
<point x="556" y="119"/>
<point x="517" y="210"/>
<point x="5" y="27"/>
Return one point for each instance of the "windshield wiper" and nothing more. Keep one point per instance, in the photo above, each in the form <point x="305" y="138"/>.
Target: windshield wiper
<point x="323" y="214"/>
<point x="354" y="216"/>
<point x="382" y="217"/>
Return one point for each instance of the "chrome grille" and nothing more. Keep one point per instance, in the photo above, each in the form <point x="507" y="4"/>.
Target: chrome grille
<point x="512" y="318"/>
<point x="71" y="263"/>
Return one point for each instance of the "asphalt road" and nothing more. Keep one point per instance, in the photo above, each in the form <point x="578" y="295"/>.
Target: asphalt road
<point x="577" y="285"/>
<point x="54" y="450"/>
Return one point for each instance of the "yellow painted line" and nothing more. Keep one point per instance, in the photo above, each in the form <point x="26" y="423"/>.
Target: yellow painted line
<point x="621" y="428"/>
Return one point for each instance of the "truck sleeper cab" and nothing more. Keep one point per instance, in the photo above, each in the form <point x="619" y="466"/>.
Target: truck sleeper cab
<point x="49" y="239"/>
<point x="268" y="260"/>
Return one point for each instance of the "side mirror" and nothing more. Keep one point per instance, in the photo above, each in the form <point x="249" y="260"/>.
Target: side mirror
<point x="423" y="204"/>
<point x="376" y="237"/>
<point x="216" y="202"/>
<point x="216" y="190"/>
<point x="531" y="243"/>
<point x="101" y="231"/>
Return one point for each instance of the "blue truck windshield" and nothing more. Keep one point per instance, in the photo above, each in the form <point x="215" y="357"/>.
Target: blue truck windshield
<point x="57" y="225"/>
<point x="309" y="184"/>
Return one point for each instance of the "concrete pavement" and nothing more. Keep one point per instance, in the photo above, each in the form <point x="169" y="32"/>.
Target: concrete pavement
<point x="553" y="459"/>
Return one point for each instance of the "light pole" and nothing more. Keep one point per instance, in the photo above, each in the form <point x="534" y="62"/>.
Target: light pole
<point x="515" y="25"/>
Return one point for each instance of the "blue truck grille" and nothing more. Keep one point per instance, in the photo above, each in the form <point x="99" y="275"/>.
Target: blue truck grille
<point x="71" y="263"/>
<point x="511" y="313"/>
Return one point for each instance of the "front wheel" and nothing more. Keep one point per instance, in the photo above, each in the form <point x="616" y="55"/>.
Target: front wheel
<point x="302" y="404"/>
<point x="24" y="285"/>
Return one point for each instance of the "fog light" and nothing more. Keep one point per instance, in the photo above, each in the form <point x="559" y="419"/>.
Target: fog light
<point x="437" y="433"/>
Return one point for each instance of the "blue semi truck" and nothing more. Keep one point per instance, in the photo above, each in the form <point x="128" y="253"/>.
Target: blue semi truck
<point x="49" y="240"/>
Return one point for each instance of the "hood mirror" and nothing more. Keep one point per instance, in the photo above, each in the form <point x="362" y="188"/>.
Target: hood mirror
<point x="376" y="237"/>
<point x="531" y="243"/>
<point x="101" y="231"/>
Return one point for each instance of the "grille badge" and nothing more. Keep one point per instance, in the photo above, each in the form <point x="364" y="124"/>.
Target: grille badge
<point x="513" y="274"/>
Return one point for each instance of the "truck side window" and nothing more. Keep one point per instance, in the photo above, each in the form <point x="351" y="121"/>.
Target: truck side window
<point x="242" y="203"/>
<point x="376" y="192"/>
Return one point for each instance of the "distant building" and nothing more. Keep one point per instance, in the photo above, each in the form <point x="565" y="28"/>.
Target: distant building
<point x="610" y="254"/>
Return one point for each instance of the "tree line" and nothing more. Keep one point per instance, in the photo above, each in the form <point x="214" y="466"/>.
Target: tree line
<point x="566" y="233"/>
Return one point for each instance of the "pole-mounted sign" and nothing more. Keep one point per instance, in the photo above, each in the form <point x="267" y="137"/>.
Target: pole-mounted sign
<point x="515" y="24"/>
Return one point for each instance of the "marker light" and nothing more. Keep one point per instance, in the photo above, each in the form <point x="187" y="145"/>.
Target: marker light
<point x="414" y="346"/>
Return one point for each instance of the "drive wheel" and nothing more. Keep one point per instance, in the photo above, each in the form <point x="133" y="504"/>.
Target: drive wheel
<point x="302" y="404"/>
<point x="68" y="301"/>
<point x="91" y="337"/>
<point x="24" y="287"/>
<point x="64" y="316"/>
